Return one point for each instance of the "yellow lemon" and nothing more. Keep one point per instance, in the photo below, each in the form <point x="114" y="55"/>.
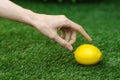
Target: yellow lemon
<point x="87" y="54"/>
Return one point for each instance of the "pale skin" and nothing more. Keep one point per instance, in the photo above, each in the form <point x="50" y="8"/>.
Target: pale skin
<point x="45" y="24"/>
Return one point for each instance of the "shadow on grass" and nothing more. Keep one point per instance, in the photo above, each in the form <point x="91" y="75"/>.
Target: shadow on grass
<point x="99" y="64"/>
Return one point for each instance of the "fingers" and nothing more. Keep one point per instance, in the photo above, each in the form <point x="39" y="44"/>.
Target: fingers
<point x="63" y="34"/>
<point x="68" y="36"/>
<point x="73" y="37"/>
<point x="80" y="29"/>
<point x="62" y="42"/>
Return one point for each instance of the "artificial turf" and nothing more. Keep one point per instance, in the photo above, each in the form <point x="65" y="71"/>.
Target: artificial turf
<point x="25" y="54"/>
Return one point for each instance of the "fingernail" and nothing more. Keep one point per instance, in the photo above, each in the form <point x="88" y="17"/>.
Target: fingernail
<point x="70" y="48"/>
<point x="90" y="39"/>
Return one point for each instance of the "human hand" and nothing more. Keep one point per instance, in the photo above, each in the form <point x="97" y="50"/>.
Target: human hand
<point x="46" y="24"/>
<point x="49" y="26"/>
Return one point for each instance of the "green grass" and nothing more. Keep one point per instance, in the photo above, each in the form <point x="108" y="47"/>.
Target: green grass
<point x="25" y="54"/>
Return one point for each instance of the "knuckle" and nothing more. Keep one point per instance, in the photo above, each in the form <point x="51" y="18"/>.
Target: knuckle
<point x="64" y="20"/>
<point x="73" y="40"/>
<point x="65" y="44"/>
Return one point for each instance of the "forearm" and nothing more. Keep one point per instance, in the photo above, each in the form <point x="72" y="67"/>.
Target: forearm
<point x="12" y="11"/>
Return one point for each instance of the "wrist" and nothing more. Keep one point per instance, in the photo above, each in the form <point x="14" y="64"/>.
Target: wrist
<point x="35" y="19"/>
<point x="29" y="17"/>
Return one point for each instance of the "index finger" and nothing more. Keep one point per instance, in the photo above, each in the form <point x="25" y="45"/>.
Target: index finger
<point x="80" y="29"/>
